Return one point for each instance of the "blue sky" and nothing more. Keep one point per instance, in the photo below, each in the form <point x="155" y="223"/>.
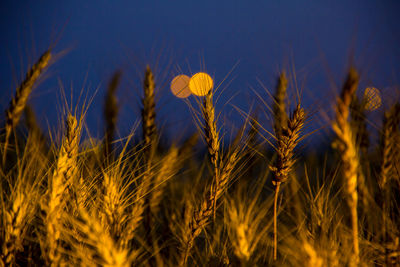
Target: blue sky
<point x="318" y="39"/>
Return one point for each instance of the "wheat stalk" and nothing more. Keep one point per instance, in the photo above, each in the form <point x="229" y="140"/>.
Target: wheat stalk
<point x="348" y="151"/>
<point x="16" y="220"/>
<point x="18" y="202"/>
<point x="150" y="136"/>
<point x="389" y="132"/>
<point x="286" y="144"/>
<point x="287" y="141"/>
<point x="36" y="135"/>
<point x="138" y="208"/>
<point x="201" y="216"/>
<point x="31" y="122"/>
<point x="389" y="129"/>
<point x="113" y="206"/>
<point x="18" y="103"/>
<point x="59" y="182"/>
<point x="359" y="128"/>
<point x="212" y="138"/>
<point x="221" y="177"/>
<point x="167" y="169"/>
<point x="358" y="122"/>
<point x="149" y="115"/>
<point x="111" y="112"/>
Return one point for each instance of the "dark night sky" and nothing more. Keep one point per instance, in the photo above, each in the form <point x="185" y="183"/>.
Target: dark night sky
<point x="317" y="38"/>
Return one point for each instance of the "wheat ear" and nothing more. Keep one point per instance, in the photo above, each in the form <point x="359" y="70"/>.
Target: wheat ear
<point x="359" y="129"/>
<point x="212" y="138"/>
<point x="389" y="132"/>
<point x="167" y="169"/>
<point x="104" y="248"/>
<point x="58" y="185"/>
<point x="138" y="208"/>
<point x="111" y="112"/>
<point x="201" y="216"/>
<point x="113" y="203"/>
<point x="150" y="137"/>
<point x="34" y="130"/>
<point x="149" y="114"/>
<point x="358" y="122"/>
<point x="208" y="206"/>
<point x="279" y="107"/>
<point x="287" y="141"/>
<point x="31" y="123"/>
<point x="17" y="104"/>
<point x="348" y="151"/>
<point x="15" y="220"/>
<point x="391" y="122"/>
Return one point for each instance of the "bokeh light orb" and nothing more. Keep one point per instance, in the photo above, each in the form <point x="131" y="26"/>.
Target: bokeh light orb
<point x="180" y="86"/>
<point x="372" y="98"/>
<point x="201" y="83"/>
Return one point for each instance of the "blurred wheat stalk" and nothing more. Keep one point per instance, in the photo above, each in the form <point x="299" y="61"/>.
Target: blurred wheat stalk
<point x="18" y="102"/>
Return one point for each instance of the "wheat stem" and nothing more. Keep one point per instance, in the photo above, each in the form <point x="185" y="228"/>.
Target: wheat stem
<point x="277" y="186"/>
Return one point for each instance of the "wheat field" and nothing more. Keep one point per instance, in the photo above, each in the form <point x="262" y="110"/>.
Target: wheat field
<point x="257" y="200"/>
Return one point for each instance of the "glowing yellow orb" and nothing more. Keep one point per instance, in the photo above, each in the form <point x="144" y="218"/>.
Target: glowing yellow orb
<point x="372" y="98"/>
<point x="180" y="86"/>
<point x="201" y="83"/>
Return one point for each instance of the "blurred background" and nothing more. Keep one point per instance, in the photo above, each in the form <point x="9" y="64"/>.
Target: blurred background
<point x="243" y="45"/>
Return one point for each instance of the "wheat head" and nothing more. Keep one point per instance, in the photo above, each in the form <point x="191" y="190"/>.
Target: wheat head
<point x="111" y="112"/>
<point x="279" y="107"/>
<point x="348" y="150"/>
<point x="59" y="185"/>
<point x="18" y="102"/>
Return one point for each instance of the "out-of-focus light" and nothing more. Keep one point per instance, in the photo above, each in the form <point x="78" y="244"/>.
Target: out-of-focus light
<point x="200" y="84"/>
<point x="372" y="98"/>
<point x="180" y="86"/>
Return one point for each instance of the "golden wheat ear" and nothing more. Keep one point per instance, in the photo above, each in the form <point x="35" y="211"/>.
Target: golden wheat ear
<point x="286" y="142"/>
<point x="201" y="216"/>
<point x="59" y="188"/>
<point x="18" y="102"/>
<point x="98" y="247"/>
<point x="348" y="151"/>
<point x="222" y="176"/>
<point x="212" y="138"/>
<point x="245" y="222"/>
<point x="15" y="220"/>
